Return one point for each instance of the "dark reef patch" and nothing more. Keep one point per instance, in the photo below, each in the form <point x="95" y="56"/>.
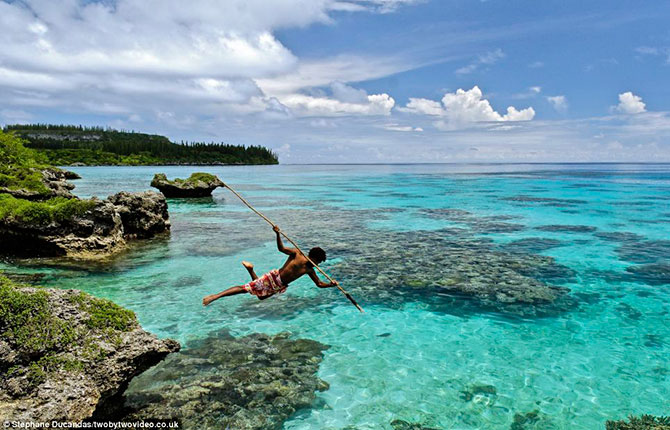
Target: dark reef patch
<point x="652" y="274"/>
<point x="619" y="236"/>
<point x="641" y="252"/>
<point x="567" y="228"/>
<point x="254" y="382"/>
<point x="531" y="245"/>
<point x="405" y="425"/>
<point x="527" y="200"/>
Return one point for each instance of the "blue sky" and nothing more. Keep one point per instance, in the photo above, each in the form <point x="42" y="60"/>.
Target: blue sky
<point x="352" y="80"/>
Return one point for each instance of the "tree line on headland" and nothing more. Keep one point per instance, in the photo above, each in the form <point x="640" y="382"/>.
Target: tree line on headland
<point x="72" y="144"/>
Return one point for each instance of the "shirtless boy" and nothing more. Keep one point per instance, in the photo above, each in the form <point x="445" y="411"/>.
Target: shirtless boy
<point x="276" y="281"/>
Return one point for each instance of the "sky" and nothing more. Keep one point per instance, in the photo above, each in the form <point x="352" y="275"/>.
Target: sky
<point x="352" y="81"/>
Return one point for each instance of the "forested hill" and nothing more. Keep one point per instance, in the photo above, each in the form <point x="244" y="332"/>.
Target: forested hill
<point x="67" y="145"/>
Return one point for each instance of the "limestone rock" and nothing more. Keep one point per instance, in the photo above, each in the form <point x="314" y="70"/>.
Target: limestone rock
<point x="99" y="231"/>
<point x="93" y="359"/>
<point x="197" y="185"/>
<point x="143" y="214"/>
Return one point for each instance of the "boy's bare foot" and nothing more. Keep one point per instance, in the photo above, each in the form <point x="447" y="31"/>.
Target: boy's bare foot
<point x="248" y="265"/>
<point x="209" y="299"/>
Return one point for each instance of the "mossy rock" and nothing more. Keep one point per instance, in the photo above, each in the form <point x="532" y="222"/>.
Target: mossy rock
<point x="64" y="352"/>
<point x="57" y="209"/>
<point x="199" y="184"/>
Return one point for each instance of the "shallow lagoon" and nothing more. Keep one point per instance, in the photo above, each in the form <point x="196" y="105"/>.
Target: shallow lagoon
<point x="421" y="353"/>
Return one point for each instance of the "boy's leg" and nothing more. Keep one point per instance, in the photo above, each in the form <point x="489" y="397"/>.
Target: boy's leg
<point x="229" y="292"/>
<point x="250" y="269"/>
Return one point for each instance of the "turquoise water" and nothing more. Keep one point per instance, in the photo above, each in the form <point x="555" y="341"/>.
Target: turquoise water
<point x="600" y="352"/>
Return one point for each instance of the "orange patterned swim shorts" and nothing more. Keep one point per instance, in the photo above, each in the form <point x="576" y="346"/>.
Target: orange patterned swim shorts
<point x="266" y="285"/>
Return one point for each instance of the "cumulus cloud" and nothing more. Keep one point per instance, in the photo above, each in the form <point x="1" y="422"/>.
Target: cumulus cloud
<point x="629" y="103"/>
<point x="560" y="103"/>
<point x="463" y="107"/>
<point x="144" y="56"/>
<point x="489" y="58"/>
<point x="345" y="101"/>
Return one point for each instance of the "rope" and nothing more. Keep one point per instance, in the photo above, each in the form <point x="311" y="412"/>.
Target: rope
<point x="337" y="284"/>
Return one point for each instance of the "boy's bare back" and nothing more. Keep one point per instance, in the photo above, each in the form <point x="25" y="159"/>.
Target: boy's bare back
<point x="297" y="265"/>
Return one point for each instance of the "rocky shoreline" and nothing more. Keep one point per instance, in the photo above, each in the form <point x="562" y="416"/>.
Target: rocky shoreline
<point x="64" y="354"/>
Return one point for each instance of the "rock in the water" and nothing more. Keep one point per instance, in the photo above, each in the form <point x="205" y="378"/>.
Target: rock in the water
<point x="64" y="354"/>
<point x="81" y="228"/>
<point x="143" y="214"/>
<point x="70" y="174"/>
<point x="252" y="382"/>
<point x="197" y="185"/>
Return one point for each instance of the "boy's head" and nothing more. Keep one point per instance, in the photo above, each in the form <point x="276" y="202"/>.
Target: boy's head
<point x="317" y="255"/>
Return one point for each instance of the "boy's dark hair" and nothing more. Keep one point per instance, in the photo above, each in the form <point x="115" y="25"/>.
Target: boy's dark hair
<point x="317" y="255"/>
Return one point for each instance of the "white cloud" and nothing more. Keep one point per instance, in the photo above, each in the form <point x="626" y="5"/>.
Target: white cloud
<point x="403" y="128"/>
<point x="461" y="108"/>
<point x="347" y="94"/>
<point x="209" y="57"/>
<point x="529" y="93"/>
<point x="353" y="102"/>
<point x="560" y="103"/>
<point x="381" y="6"/>
<point x="489" y="58"/>
<point x="629" y="103"/>
<point x="424" y="106"/>
<point x="655" y="52"/>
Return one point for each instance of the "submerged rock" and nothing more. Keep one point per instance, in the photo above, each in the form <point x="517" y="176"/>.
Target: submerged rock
<point x="405" y="425"/>
<point x="644" y="422"/>
<point x="652" y="274"/>
<point x="64" y="354"/>
<point x="252" y="382"/>
<point x="567" y="228"/>
<point x="80" y="228"/>
<point x="197" y="185"/>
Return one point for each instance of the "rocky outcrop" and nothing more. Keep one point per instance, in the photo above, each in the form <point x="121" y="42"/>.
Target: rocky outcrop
<point x="96" y="232"/>
<point x="54" y="183"/>
<point x="101" y="229"/>
<point x="65" y="354"/>
<point x="197" y="185"/>
<point x="143" y="215"/>
<point x="253" y="382"/>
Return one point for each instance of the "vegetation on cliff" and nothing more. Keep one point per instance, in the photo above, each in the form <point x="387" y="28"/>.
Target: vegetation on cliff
<point x="64" y="353"/>
<point x="44" y="341"/>
<point x="65" y="145"/>
<point x="19" y="166"/>
<point x="56" y="209"/>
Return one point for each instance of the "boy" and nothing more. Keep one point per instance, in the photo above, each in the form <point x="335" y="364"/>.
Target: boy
<point x="276" y="281"/>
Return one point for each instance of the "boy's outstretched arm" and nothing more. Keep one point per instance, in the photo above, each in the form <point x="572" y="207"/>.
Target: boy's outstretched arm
<point x="318" y="282"/>
<point x="280" y="244"/>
